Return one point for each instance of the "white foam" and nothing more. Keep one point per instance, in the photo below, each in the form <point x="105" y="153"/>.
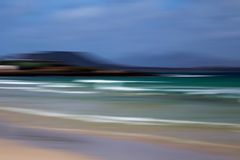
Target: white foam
<point x="101" y="81"/>
<point x="38" y="89"/>
<point x="120" y="88"/>
<point x="214" y="91"/>
<point x="19" y="82"/>
<point x="17" y="88"/>
<point x="59" y="85"/>
<point x="203" y="91"/>
<point x="104" y="81"/>
<point x="115" y="119"/>
<point x="180" y="90"/>
<point x="61" y="91"/>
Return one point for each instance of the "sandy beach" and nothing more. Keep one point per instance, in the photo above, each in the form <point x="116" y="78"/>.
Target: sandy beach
<point x="30" y="136"/>
<point x="12" y="150"/>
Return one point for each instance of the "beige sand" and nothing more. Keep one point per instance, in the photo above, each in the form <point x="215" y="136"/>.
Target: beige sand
<point x="217" y="146"/>
<point x="12" y="150"/>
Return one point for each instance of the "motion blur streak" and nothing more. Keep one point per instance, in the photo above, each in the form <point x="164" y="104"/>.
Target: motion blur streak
<point x="120" y="79"/>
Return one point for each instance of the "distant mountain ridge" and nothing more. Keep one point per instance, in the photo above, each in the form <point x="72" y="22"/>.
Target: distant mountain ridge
<point x="66" y="58"/>
<point x="62" y="63"/>
<point x="172" y="63"/>
<point x="172" y="60"/>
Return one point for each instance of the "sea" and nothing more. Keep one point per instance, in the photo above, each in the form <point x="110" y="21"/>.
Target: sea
<point x="212" y="100"/>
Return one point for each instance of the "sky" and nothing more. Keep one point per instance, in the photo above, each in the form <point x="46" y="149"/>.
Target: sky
<point x="124" y="30"/>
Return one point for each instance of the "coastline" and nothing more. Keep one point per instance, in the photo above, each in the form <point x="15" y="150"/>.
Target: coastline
<point x="169" y="138"/>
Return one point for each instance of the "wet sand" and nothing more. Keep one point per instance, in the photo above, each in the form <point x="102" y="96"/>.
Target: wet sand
<point x="53" y="136"/>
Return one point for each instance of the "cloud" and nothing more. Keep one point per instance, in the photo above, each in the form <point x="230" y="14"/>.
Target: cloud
<point x="81" y="12"/>
<point x="17" y="8"/>
<point x="122" y="27"/>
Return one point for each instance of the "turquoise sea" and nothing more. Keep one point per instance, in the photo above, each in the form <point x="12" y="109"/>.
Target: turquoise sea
<point x="172" y="99"/>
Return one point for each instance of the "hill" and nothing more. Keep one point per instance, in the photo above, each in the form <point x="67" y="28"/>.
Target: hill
<point x="65" y="58"/>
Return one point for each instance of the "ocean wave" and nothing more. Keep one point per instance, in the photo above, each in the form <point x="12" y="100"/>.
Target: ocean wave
<point x="121" y="88"/>
<point x="37" y="89"/>
<point x="203" y="91"/>
<point x="101" y="81"/>
<point x="59" y="85"/>
<point x="104" y="81"/>
<point x="16" y="88"/>
<point x="17" y="82"/>
<point x="118" y="120"/>
<point x="214" y="92"/>
<point x="61" y="91"/>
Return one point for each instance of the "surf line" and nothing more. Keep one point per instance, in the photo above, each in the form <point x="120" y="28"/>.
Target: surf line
<point x="117" y="120"/>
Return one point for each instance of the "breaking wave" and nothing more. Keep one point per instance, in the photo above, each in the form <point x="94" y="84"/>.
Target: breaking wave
<point x="118" y="120"/>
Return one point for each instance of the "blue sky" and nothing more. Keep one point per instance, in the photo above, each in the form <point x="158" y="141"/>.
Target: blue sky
<point x="119" y="29"/>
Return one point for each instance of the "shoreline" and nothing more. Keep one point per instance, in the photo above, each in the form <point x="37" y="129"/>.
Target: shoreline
<point x="153" y="133"/>
<point x="42" y="144"/>
<point x="39" y="124"/>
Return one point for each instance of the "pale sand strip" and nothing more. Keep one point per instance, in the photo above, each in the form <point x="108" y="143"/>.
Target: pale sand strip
<point x="11" y="150"/>
<point x="174" y="142"/>
<point x="160" y="139"/>
<point x="144" y="137"/>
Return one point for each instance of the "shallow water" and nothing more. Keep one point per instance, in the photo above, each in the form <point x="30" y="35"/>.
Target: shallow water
<point x="181" y="99"/>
